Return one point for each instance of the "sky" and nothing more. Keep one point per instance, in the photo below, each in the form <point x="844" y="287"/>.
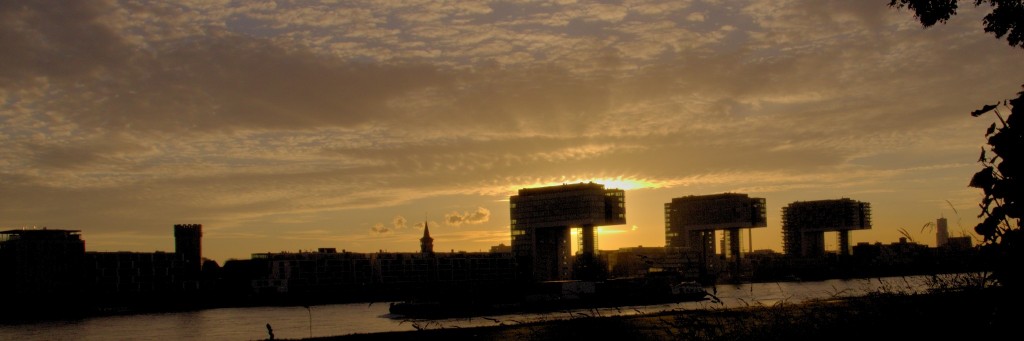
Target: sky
<point x="294" y="125"/>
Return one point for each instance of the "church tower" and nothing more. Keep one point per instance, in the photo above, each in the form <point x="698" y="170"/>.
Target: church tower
<point x="426" y="243"/>
<point x="188" y="246"/>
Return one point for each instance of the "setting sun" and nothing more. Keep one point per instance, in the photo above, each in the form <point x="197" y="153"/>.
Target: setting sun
<point x="623" y="183"/>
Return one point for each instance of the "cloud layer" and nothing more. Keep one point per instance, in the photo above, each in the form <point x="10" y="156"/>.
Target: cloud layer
<point x="125" y="117"/>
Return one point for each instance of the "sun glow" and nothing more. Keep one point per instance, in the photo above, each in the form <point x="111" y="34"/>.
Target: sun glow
<point x="627" y="184"/>
<point x="609" y="183"/>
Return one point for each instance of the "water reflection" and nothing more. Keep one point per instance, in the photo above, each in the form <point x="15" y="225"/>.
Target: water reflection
<point x="340" y="319"/>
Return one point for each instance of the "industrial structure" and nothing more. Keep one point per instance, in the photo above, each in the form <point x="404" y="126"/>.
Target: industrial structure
<point x="804" y="224"/>
<point x="542" y="219"/>
<point x="691" y="222"/>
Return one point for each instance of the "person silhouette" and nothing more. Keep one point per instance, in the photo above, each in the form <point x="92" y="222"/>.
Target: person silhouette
<point x="270" y="331"/>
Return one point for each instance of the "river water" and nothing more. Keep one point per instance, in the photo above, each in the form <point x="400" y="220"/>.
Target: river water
<point x="341" y="319"/>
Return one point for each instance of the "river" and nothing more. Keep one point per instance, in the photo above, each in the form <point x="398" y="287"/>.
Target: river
<point x="340" y="319"/>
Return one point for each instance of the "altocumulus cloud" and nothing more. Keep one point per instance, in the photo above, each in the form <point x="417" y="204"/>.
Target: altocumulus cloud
<point x="481" y="215"/>
<point x="121" y="117"/>
<point x="397" y="223"/>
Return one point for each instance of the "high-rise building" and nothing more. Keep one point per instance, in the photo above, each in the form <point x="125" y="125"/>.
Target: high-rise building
<point x="691" y="222"/>
<point x="542" y="218"/>
<point x="804" y="224"/>
<point x="188" y="247"/>
<point x="941" y="232"/>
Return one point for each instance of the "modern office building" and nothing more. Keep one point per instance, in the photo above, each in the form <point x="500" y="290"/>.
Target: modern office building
<point x="41" y="272"/>
<point x="804" y="224"/>
<point x="41" y="261"/>
<point x="941" y="232"/>
<point x="691" y="222"/>
<point x="133" y="274"/>
<point x="542" y="219"/>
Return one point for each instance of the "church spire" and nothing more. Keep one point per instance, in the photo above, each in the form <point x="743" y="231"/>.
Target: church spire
<point x="426" y="243"/>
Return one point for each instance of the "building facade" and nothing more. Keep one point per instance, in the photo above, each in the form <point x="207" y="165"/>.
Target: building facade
<point x="542" y="219"/>
<point x="691" y="222"/>
<point x="41" y="271"/>
<point x="41" y="261"/>
<point x="133" y="274"/>
<point x="804" y="224"/>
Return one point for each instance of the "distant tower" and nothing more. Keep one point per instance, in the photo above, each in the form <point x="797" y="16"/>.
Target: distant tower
<point x="426" y="243"/>
<point x="189" y="248"/>
<point x="942" y="232"/>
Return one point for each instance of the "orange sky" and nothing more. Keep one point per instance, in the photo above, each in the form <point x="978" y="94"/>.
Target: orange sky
<point x="285" y="126"/>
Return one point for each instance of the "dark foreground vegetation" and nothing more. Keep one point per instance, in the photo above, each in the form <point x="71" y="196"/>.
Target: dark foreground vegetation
<point x="953" y="314"/>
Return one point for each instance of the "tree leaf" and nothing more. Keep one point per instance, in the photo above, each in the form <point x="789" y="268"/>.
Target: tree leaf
<point x="985" y="109"/>
<point x="982" y="179"/>
<point x="985" y="228"/>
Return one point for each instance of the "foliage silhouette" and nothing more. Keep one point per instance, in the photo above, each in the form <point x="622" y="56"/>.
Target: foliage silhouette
<point x="1000" y="177"/>
<point x="1002" y="207"/>
<point x="1005" y="19"/>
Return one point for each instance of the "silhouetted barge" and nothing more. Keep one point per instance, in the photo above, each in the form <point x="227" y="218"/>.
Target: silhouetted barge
<point x="555" y="296"/>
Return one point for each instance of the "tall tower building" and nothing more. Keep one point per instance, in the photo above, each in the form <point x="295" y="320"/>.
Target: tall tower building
<point x="941" y="232"/>
<point x="426" y="243"/>
<point x="189" y="248"/>
<point x="542" y="218"/>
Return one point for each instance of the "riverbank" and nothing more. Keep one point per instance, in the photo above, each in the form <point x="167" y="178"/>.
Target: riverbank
<point x="976" y="313"/>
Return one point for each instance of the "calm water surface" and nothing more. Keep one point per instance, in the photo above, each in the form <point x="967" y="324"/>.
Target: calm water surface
<point x="340" y="319"/>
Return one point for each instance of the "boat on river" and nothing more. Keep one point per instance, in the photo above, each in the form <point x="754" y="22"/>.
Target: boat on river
<point x="689" y="291"/>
